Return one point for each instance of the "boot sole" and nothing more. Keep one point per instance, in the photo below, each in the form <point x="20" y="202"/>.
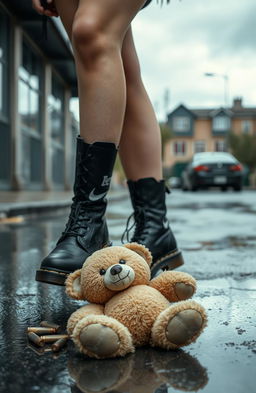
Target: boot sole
<point x="53" y="276"/>
<point x="168" y="262"/>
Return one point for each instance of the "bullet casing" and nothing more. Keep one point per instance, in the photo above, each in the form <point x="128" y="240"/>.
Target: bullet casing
<point x="41" y="330"/>
<point x="34" y="338"/>
<point x="52" y="338"/>
<point x="59" y="344"/>
<point x="50" y="325"/>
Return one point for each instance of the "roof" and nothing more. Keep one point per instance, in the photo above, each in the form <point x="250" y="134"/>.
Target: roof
<point x="231" y="111"/>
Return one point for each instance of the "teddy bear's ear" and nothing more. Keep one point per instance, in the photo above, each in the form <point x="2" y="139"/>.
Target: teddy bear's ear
<point x="73" y="285"/>
<point x="141" y="250"/>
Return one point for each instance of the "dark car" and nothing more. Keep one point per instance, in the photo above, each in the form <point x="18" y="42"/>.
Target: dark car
<point x="215" y="169"/>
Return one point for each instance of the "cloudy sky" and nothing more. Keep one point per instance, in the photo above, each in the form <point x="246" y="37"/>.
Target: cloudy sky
<point x="179" y="42"/>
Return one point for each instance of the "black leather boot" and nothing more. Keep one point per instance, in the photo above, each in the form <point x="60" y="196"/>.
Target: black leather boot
<point x="86" y="230"/>
<point x="151" y="225"/>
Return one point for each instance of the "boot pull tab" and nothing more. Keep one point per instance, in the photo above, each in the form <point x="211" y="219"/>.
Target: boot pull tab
<point x="167" y="189"/>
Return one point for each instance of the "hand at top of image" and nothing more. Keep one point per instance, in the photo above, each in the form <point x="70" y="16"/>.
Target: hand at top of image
<point x="45" y="7"/>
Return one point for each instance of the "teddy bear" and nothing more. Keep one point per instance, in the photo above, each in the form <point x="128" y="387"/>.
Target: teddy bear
<point x="126" y="308"/>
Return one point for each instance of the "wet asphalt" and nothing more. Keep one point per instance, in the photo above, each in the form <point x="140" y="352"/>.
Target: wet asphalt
<point x="217" y="233"/>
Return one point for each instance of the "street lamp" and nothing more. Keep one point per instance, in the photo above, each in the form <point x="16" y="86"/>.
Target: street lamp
<point x="226" y="83"/>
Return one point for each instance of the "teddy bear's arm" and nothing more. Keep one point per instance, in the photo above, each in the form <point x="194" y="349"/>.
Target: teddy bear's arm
<point x="89" y="309"/>
<point x="174" y="286"/>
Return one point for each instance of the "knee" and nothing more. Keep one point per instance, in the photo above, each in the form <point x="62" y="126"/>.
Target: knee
<point x="90" y="39"/>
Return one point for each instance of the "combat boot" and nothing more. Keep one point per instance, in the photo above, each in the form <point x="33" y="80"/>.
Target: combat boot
<point x="86" y="230"/>
<point x="151" y="225"/>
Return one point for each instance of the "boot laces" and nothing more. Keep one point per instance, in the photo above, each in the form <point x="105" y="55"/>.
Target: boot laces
<point x="139" y="223"/>
<point x="78" y="219"/>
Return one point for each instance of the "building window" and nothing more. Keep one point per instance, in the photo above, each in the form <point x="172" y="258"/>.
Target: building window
<point x="199" y="146"/>
<point x="220" y="146"/>
<point x="30" y="111"/>
<point x="5" y="134"/>
<point x="57" y="113"/>
<point x="221" y="123"/>
<point x="181" y="123"/>
<point x="246" y="126"/>
<point x="4" y="66"/>
<point x="179" y="148"/>
<point x="56" y="109"/>
<point x="30" y="93"/>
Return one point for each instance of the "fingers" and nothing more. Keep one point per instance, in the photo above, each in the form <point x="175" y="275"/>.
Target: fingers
<point x="37" y="6"/>
<point x="50" y="11"/>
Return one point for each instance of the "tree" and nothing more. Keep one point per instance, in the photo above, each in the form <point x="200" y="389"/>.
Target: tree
<point x="243" y="147"/>
<point x="166" y="135"/>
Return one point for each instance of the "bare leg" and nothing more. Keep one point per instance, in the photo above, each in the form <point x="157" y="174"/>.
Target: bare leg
<point x="140" y="146"/>
<point x="97" y="32"/>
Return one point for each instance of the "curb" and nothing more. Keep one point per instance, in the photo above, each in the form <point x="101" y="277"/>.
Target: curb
<point x="41" y="207"/>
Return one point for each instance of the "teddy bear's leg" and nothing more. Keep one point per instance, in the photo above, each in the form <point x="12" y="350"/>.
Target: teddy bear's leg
<point x="100" y="336"/>
<point x="178" y="325"/>
<point x="175" y="286"/>
<point x="89" y="309"/>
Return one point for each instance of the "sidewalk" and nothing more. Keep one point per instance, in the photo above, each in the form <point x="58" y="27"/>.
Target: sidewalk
<point x="16" y="203"/>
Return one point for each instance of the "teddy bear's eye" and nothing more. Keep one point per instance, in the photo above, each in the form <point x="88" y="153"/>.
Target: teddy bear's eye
<point x="102" y="272"/>
<point x="122" y="261"/>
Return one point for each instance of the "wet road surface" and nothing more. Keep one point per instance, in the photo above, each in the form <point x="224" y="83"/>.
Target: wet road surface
<point x="217" y="232"/>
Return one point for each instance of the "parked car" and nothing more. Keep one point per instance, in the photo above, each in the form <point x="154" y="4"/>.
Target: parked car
<point x="174" y="182"/>
<point x="217" y="169"/>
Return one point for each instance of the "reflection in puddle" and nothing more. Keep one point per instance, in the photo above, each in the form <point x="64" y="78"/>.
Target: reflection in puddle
<point x="146" y="371"/>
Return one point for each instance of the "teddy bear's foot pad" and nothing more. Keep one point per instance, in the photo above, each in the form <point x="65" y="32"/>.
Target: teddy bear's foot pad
<point x="184" y="326"/>
<point x="99" y="339"/>
<point x="178" y="325"/>
<point x="100" y="336"/>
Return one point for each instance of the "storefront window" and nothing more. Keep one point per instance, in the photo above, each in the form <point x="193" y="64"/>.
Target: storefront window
<point x="30" y="111"/>
<point x="4" y="65"/>
<point x="57" y="114"/>
<point x="56" y="108"/>
<point x="30" y="91"/>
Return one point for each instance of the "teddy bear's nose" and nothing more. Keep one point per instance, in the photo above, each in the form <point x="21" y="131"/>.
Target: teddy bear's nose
<point x="116" y="269"/>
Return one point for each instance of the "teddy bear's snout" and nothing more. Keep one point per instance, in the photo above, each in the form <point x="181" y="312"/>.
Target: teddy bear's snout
<point x="116" y="269"/>
<point x="119" y="277"/>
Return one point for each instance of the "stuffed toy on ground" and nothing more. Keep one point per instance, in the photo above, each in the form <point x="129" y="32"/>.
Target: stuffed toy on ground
<point x="127" y="309"/>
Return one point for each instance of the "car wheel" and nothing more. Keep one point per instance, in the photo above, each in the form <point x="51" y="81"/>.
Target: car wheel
<point x="237" y="188"/>
<point x="223" y="189"/>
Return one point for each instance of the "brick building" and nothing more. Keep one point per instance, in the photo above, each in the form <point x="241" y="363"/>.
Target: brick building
<point x="199" y="130"/>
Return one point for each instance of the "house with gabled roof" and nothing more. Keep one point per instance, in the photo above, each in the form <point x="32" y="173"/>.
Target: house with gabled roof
<point x="200" y="130"/>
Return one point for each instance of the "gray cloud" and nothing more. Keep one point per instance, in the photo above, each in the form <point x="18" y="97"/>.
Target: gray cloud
<point x="179" y="42"/>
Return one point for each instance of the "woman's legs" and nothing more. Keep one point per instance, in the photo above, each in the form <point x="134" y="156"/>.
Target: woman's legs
<point x="140" y="145"/>
<point x="97" y="32"/>
<point x="140" y="151"/>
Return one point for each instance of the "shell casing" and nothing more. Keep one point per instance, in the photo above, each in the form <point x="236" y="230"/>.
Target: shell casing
<point x="47" y="350"/>
<point x="53" y="337"/>
<point x="50" y="325"/>
<point x="41" y="330"/>
<point x="34" y="338"/>
<point x="59" y="344"/>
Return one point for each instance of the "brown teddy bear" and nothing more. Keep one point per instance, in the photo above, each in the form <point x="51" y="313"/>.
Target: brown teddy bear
<point x="126" y="308"/>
